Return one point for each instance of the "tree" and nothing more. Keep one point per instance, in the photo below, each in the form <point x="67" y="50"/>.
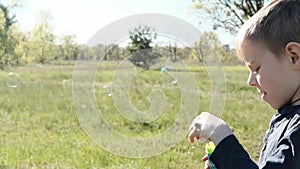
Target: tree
<point x="185" y="53"/>
<point x="19" y="47"/>
<point x="140" y="47"/>
<point x="208" y="47"/>
<point x="88" y="53"/>
<point x="68" y="48"/>
<point x="141" y="38"/>
<point x="173" y="51"/>
<point x="9" y="20"/>
<point x="7" y="42"/>
<point x="228" y="14"/>
<point x="112" y="52"/>
<point x="42" y="39"/>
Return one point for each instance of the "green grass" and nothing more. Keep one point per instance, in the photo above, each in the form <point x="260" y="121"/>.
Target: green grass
<point x="40" y="128"/>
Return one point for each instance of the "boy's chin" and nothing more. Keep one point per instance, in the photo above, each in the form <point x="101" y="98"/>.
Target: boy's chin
<point x="274" y="106"/>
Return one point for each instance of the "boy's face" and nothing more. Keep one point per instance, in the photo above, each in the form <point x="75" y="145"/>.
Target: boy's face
<point x="272" y="75"/>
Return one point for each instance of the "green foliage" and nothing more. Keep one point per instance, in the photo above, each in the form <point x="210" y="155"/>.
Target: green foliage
<point x="228" y="14"/>
<point x="68" y="50"/>
<point x="140" y="46"/>
<point x="209" y="49"/>
<point x="144" y="58"/>
<point x="41" y="42"/>
<point x="141" y="38"/>
<point x="113" y="52"/>
<point x="7" y="41"/>
<point x="40" y="45"/>
<point x="9" y="20"/>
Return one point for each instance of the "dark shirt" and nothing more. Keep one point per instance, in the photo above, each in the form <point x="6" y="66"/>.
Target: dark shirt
<point x="281" y="149"/>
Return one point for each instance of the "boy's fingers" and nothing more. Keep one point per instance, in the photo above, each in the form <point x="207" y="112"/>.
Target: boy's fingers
<point x="192" y="136"/>
<point x="194" y="133"/>
<point x="204" y="158"/>
<point x="191" y="139"/>
<point x="207" y="166"/>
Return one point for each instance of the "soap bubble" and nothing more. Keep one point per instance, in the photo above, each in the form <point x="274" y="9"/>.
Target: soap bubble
<point x="107" y="89"/>
<point x="173" y="75"/>
<point x="13" y="80"/>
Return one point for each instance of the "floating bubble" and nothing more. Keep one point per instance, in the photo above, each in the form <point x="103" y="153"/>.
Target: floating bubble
<point x="102" y="132"/>
<point x="107" y="89"/>
<point x="173" y="82"/>
<point x="165" y="68"/>
<point x="13" y="80"/>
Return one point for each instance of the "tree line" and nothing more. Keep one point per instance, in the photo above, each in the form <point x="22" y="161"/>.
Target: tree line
<point x="42" y="46"/>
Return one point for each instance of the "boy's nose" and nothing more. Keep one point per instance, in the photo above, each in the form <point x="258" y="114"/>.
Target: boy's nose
<point x="252" y="80"/>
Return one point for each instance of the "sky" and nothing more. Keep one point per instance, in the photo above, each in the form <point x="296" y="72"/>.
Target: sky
<point x="84" y="18"/>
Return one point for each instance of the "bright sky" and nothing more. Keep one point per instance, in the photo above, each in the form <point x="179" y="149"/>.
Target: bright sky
<point x="84" y="18"/>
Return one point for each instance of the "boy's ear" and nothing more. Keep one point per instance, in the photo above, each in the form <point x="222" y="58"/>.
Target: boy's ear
<point x="293" y="53"/>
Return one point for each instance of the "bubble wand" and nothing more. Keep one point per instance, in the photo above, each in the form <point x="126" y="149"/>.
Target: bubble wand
<point x="209" y="148"/>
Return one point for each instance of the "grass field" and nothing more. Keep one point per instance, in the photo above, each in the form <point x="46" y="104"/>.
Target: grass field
<point x="40" y="128"/>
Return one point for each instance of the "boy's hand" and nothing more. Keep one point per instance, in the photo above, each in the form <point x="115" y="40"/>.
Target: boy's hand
<point x="209" y="127"/>
<point x="205" y="159"/>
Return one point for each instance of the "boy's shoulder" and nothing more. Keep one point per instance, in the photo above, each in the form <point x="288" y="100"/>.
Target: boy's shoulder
<point x="288" y="112"/>
<point x="288" y="116"/>
<point x="295" y="121"/>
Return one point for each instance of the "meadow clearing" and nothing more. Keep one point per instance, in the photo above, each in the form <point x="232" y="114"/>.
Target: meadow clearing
<point x="40" y="128"/>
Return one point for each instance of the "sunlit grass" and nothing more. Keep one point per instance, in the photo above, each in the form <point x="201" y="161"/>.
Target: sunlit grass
<point x="40" y="129"/>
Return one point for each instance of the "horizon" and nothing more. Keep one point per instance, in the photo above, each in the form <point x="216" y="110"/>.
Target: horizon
<point x="66" y="20"/>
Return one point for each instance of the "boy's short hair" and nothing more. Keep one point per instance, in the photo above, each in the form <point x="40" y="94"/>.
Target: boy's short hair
<point x="274" y="25"/>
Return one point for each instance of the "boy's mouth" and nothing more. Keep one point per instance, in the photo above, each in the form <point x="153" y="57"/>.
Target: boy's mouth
<point x="263" y="93"/>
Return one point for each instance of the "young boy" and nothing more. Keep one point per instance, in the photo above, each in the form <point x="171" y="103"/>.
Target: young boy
<point x="269" y="44"/>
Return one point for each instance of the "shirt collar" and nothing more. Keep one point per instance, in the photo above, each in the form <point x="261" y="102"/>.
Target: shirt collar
<point x="288" y="109"/>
